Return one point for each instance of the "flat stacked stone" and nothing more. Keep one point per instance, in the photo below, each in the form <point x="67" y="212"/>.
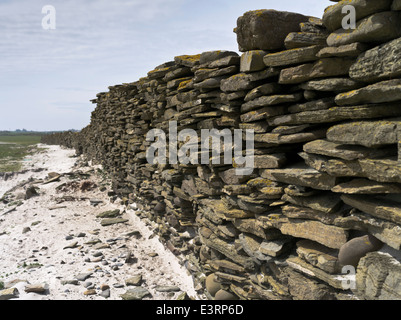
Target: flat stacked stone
<point x="324" y="192"/>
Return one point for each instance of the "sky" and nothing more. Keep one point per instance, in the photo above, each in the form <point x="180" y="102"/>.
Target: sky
<point x="48" y="76"/>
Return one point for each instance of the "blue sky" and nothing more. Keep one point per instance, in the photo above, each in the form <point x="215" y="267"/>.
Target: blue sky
<point x="47" y="77"/>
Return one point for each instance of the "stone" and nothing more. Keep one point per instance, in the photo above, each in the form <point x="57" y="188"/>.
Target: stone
<point x="381" y="170"/>
<point x="111" y="221"/>
<point x="318" y="255"/>
<point x="212" y="286"/>
<point x="355" y="249"/>
<point x="167" y="288"/>
<point x="31" y="192"/>
<point x="245" y="81"/>
<point x="328" y="203"/>
<point x="306" y="177"/>
<point x="383" y="230"/>
<point x="137" y="293"/>
<point x="109" y="214"/>
<point x="380" y="208"/>
<point x="105" y="293"/>
<point x="377" y="28"/>
<point x="384" y="91"/>
<point x="337" y="114"/>
<point x="36" y="288"/>
<point x="380" y="63"/>
<point x="377" y="277"/>
<point x="396" y="5"/>
<point x="290" y="57"/>
<point x="329" y="236"/>
<point x="263" y="90"/>
<point x="277" y="138"/>
<point x="188" y="60"/>
<point x="343" y="151"/>
<point x="333" y="15"/>
<point x="365" y="186"/>
<point x="10" y="293"/>
<point x="266" y="29"/>
<point x="323" y="68"/>
<point x="303" y="287"/>
<point x="269" y="161"/>
<point x="371" y="134"/>
<point x="225" y="248"/>
<point x="296" y="40"/>
<point x="320" y="104"/>
<point x="252" y="61"/>
<point x="134" y="281"/>
<point x="331" y="84"/>
<point x="225" y="295"/>
<point x="335" y="281"/>
<point x="347" y="50"/>
<point x="90" y="292"/>
<point x="264" y="101"/>
<point x="83" y="276"/>
<point x="210" y="56"/>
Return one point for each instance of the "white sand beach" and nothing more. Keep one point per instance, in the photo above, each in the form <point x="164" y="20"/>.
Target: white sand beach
<point x="53" y="246"/>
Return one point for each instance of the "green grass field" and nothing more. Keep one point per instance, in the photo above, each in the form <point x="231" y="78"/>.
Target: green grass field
<point x="14" y="148"/>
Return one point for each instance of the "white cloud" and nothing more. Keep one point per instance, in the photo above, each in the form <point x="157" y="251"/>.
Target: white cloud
<point x="99" y="43"/>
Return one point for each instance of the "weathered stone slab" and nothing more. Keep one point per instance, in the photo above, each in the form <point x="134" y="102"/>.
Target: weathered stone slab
<point x="298" y="212"/>
<point x="203" y="74"/>
<point x="347" y="50"/>
<point x="377" y="277"/>
<point x="343" y="151"/>
<point x="329" y="236"/>
<point x="252" y="61"/>
<point x="377" y="28"/>
<point x="364" y="186"/>
<point x="245" y="81"/>
<point x="328" y="203"/>
<point x="379" y="63"/>
<point x="333" y="167"/>
<point x="320" y="104"/>
<point x="307" y="177"/>
<point x="271" y="101"/>
<point x="263" y="113"/>
<point x="269" y="161"/>
<point x="385" y="231"/>
<point x="323" y="68"/>
<point x="318" y="255"/>
<point x="381" y="170"/>
<point x="385" y="91"/>
<point x="336" y="281"/>
<point x="304" y="39"/>
<point x="365" y="133"/>
<point x="337" y="114"/>
<point x="380" y="208"/>
<point x="331" y="84"/>
<point x="277" y="138"/>
<point x="226" y="248"/>
<point x="294" y="56"/>
<point x="263" y="90"/>
<point x="333" y="15"/>
<point x="266" y="29"/>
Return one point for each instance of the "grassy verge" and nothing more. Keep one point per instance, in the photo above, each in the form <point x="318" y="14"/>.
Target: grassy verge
<point x="14" y="148"/>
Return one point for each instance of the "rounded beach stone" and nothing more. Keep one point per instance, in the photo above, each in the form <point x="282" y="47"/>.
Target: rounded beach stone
<point x="211" y="285"/>
<point x="225" y="295"/>
<point x="355" y="249"/>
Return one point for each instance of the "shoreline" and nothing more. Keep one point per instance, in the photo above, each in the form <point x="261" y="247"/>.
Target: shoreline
<point x="51" y="239"/>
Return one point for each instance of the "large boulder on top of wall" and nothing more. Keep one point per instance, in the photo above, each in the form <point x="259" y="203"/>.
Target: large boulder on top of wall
<point x="266" y="29"/>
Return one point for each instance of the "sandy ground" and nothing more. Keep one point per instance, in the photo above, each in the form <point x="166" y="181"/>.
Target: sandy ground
<point x="53" y="238"/>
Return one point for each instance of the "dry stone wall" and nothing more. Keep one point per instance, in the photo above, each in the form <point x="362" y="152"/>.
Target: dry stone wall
<point x="320" y="215"/>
